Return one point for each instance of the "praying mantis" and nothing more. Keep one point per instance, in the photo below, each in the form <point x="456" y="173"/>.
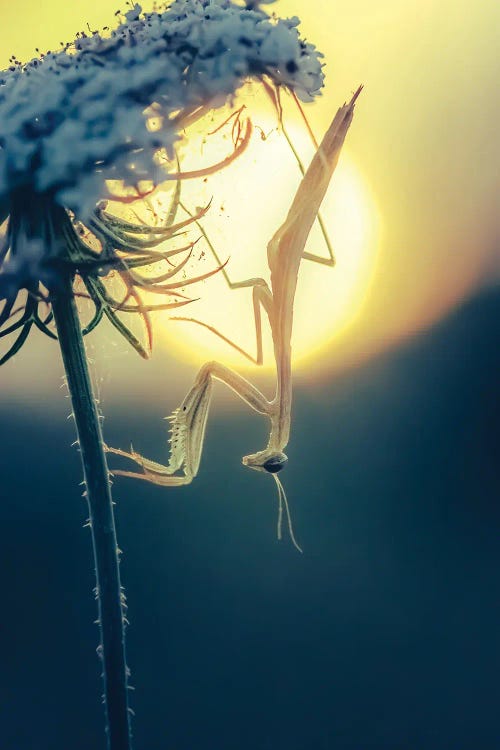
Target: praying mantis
<point x="285" y="251"/>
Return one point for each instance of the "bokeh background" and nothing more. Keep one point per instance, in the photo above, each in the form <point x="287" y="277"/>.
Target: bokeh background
<point x="385" y="633"/>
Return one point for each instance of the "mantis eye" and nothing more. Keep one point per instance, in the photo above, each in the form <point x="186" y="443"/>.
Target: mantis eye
<point x="275" y="463"/>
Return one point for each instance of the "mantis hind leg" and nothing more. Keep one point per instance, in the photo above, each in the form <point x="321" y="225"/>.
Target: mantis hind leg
<point x="274" y="95"/>
<point x="329" y="260"/>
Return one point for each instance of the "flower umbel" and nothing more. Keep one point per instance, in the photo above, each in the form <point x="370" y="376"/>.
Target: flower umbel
<point x="73" y="120"/>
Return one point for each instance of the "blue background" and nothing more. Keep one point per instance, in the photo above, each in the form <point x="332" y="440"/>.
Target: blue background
<point x="384" y="635"/>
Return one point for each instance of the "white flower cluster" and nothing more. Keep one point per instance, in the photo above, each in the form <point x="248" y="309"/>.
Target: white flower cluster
<point x="23" y="266"/>
<point x="75" y="118"/>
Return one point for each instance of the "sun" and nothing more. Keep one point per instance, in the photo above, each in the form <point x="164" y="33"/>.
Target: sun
<point x="249" y="201"/>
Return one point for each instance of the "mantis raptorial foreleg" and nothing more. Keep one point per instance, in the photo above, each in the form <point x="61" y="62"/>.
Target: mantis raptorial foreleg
<point x="188" y="426"/>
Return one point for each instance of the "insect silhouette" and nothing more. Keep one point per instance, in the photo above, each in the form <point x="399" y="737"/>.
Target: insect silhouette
<point x="285" y="251"/>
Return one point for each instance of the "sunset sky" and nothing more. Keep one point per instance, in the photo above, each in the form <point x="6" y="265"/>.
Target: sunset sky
<point x="423" y="151"/>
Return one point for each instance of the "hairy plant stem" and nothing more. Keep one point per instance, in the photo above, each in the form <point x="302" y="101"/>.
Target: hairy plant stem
<point x="110" y="596"/>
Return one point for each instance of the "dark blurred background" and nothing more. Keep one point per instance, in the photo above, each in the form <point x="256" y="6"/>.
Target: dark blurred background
<point x="383" y="635"/>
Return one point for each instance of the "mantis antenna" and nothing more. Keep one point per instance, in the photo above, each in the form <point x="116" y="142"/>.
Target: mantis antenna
<point x="285" y="251"/>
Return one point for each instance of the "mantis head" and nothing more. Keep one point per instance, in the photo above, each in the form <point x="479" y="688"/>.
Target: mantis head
<point x="269" y="461"/>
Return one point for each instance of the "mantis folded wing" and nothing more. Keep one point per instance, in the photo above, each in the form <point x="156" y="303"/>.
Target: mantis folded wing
<point x="284" y="253"/>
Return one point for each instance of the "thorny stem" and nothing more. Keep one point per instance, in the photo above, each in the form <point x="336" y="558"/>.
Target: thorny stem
<point x="110" y="596"/>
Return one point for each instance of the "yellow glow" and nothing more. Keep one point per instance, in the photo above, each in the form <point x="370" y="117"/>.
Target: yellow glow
<point x="424" y="139"/>
<point x="249" y="201"/>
